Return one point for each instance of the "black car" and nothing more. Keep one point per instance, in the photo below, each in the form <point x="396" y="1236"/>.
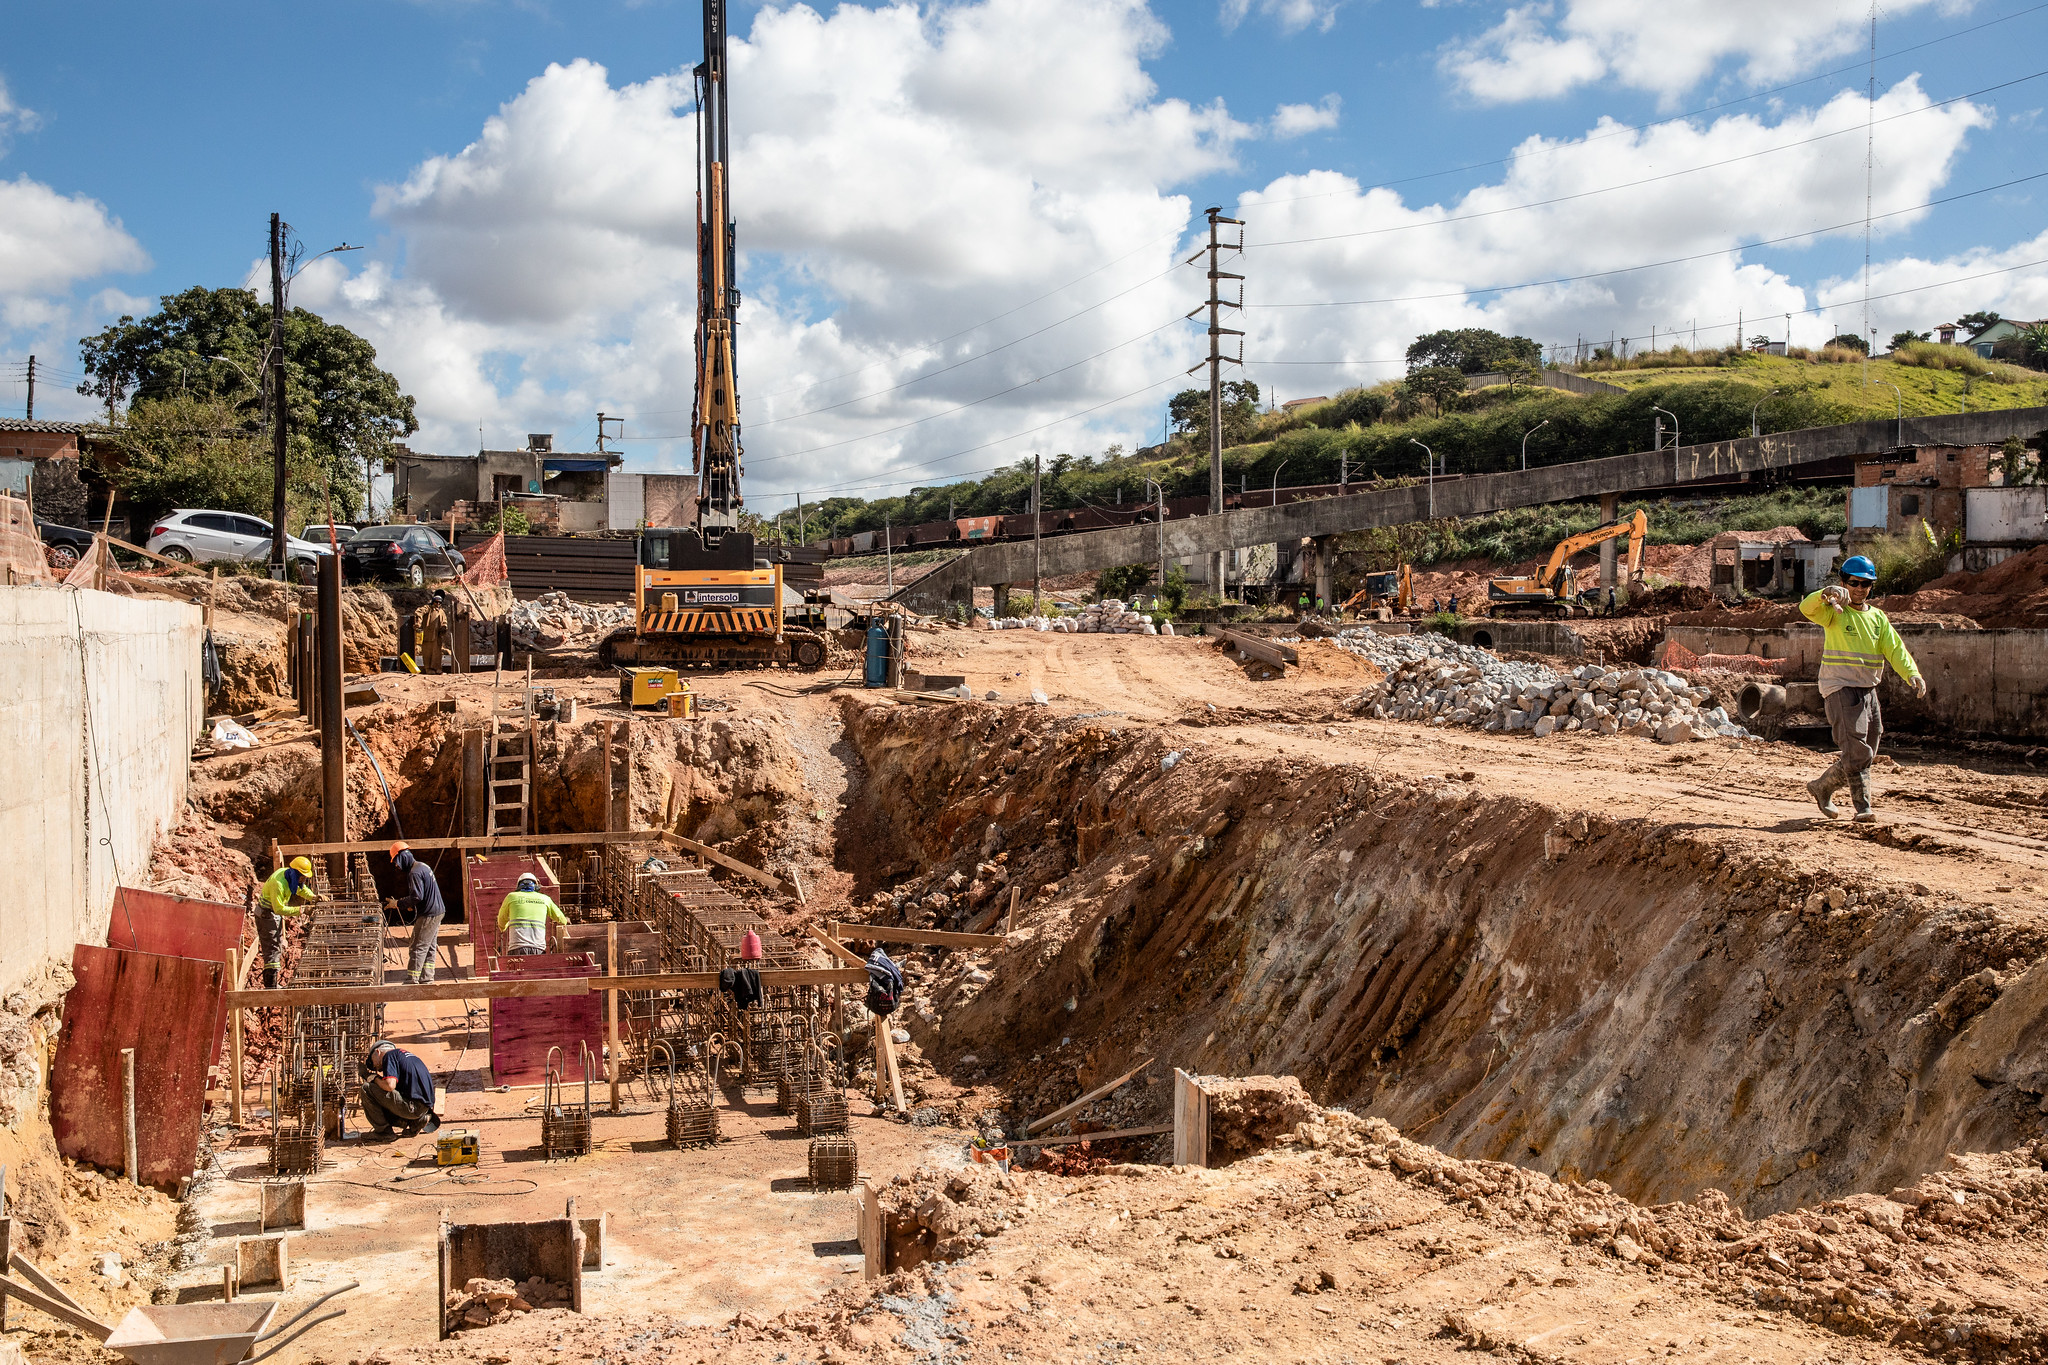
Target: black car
<point x="64" y="546"/>
<point x="411" y="553"/>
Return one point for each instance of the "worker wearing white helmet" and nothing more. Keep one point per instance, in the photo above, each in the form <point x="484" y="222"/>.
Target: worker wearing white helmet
<point x="523" y="918"/>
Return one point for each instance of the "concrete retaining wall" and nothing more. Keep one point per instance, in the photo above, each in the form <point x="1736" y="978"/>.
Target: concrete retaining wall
<point x="1979" y="682"/>
<point x="1526" y="637"/>
<point x="100" y="700"/>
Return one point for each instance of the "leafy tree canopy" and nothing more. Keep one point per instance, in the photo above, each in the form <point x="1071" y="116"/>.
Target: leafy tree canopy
<point x="1907" y="338"/>
<point x="1442" y="385"/>
<point x="1472" y="350"/>
<point x="211" y="344"/>
<point x="1973" y="323"/>
<point x="1849" y="341"/>
<point x="1188" y="411"/>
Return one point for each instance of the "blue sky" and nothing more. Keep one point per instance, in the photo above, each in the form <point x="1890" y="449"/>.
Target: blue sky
<point x="913" y="175"/>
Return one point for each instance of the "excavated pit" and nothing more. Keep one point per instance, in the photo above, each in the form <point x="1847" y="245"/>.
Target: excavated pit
<point x="1635" y="1003"/>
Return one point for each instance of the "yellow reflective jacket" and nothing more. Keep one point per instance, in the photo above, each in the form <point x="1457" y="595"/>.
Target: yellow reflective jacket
<point x="1858" y="645"/>
<point x="278" y="895"/>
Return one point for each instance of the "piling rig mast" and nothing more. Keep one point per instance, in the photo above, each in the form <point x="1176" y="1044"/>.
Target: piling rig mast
<point x="700" y="594"/>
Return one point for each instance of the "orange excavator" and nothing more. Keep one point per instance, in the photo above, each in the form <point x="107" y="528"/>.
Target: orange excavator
<point x="1550" y="591"/>
<point x="1390" y="587"/>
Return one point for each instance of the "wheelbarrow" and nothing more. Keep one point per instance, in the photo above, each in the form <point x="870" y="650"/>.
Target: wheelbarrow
<point x="210" y="1333"/>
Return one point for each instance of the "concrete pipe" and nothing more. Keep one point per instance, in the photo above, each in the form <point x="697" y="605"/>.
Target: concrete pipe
<point x="1772" y="701"/>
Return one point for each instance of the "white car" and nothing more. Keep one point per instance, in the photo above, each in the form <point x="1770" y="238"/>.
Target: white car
<point x="194" y="536"/>
<point x="318" y="531"/>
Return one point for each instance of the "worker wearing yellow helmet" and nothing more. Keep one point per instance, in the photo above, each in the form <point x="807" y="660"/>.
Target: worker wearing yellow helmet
<point x="274" y="905"/>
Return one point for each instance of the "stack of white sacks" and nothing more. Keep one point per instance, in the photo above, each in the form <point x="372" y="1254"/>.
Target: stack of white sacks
<point x="1111" y="617"/>
<point x="1440" y="682"/>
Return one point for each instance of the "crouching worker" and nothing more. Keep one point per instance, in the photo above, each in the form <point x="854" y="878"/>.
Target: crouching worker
<point x="1860" y="642"/>
<point x="398" y="1092"/>
<point x="275" y="904"/>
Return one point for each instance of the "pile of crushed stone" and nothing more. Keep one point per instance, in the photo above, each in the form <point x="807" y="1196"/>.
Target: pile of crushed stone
<point x="1440" y="682"/>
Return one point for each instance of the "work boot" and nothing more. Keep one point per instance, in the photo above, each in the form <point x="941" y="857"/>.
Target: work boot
<point x="270" y="978"/>
<point x="1859" y="795"/>
<point x="412" y="978"/>
<point x="1823" y="789"/>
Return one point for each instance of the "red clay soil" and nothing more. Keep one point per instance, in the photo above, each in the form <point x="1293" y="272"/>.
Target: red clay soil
<point x="2014" y="593"/>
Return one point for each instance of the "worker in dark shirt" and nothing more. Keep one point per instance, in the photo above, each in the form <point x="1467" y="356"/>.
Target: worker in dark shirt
<point x="422" y="896"/>
<point x="398" y="1092"/>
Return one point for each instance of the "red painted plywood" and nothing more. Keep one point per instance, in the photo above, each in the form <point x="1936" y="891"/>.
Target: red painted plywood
<point x="168" y="1010"/>
<point x="176" y="926"/>
<point x="522" y="1030"/>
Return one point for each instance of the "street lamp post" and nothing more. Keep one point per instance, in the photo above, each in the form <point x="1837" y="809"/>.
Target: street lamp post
<point x="1273" y="493"/>
<point x="1754" y="428"/>
<point x="1160" y="528"/>
<point x="1525" y="442"/>
<point x="1660" y="427"/>
<point x="1429" y="468"/>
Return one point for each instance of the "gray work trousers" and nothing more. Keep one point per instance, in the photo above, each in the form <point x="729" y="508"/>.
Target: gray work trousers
<point x="270" y="936"/>
<point x="1858" y="725"/>
<point x="426" y="941"/>
<point x="389" y="1109"/>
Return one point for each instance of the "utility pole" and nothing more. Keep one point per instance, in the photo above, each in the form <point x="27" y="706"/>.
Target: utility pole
<point x="889" y="555"/>
<point x="31" y="388"/>
<point x="1217" y="331"/>
<point x="277" y="430"/>
<point x="1037" y="552"/>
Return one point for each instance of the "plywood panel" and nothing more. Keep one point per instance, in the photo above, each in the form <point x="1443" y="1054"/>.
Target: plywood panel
<point x="522" y="1030"/>
<point x="166" y="1008"/>
<point x="175" y="926"/>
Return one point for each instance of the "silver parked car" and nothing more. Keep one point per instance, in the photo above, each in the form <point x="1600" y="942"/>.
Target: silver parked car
<point x="195" y="536"/>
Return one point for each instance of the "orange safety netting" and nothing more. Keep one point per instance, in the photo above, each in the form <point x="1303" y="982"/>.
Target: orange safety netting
<point x="1679" y="659"/>
<point x="92" y="566"/>
<point x="487" y="564"/>
<point x="21" y="546"/>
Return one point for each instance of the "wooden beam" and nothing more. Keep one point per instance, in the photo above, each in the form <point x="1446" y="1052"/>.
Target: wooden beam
<point x="475" y="845"/>
<point x="887" y="1047"/>
<point x="1010" y="919"/>
<point x="1263" y="650"/>
<point x="874" y="1237"/>
<point x="834" y="946"/>
<point x="1190" y="1121"/>
<point x="1069" y="1110"/>
<point x="470" y="989"/>
<point x="711" y="854"/>
<point x="21" y="1293"/>
<point x="611" y="1010"/>
<point x="150" y="554"/>
<point x="929" y="938"/>
<point x="708" y="981"/>
<point x="235" y="1040"/>
<point x="1153" y="1131"/>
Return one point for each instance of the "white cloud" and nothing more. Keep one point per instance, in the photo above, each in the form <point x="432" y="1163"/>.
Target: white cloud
<point x="1901" y="300"/>
<point x="1292" y="15"/>
<point x="1293" y="120"/>
<point x="13" y="118"/>
<point x="50" y="241"/>
<point x="1667" y="48"/>
<point x="986" y="154"/>
<point x="1461" y="248"/>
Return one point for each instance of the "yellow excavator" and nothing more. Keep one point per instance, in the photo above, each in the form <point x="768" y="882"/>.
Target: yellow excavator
<point x="701" y="594"/>
<point x="1389" y="587"/>
<point x="1549" y="592"/>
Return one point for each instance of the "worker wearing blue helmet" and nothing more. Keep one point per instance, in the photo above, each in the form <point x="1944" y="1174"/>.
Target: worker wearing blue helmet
<point x="1860" y="642"/>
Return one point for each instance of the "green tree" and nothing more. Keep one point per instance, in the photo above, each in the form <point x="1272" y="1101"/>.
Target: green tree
<point x="188" y="450"/>
<point x="1849" y="341"/>
<point x="1122" y="581"/>
<point x="1188" y="411"/>
<point x="1442" y="385"/>
<point x="1973" y="323"/>
<point x="1907" y="338"/>
<point x="1472" y="350"/>
<point x="211" y="344"/>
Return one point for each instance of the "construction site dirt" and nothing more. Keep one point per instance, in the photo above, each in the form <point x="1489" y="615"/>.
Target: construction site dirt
<point x="1566" y="1016"/>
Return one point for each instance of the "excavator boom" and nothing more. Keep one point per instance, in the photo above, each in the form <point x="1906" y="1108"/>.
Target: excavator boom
<point x="1551" y="588"/>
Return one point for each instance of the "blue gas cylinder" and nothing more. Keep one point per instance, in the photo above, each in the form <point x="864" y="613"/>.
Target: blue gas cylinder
<point x="878" y="655"/>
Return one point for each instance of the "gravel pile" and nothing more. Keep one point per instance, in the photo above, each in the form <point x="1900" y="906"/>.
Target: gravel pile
<point x="1440" y="682"/>
<point x="552" y="620"/>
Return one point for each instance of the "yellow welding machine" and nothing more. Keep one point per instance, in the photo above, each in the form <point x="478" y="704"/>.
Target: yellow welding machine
<point x="457" y="1147"/>
<point x="647" y="686"/>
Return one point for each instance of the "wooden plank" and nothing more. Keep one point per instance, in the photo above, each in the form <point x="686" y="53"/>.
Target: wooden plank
<point x="611" y="1012"/>
<point x="836" y="948"/>
<point x="398" y="992"/>
<point x="887" y="1045"/>
<point x="164" y="1009"/>
<point x="475" y="845"/>
<point x="729" y="864"/>
<point x="235" y="1040"/>
<point x="1190" y="1121"/>
<point x="1153" y="1131"/>
<point x="1010" y="919"/>
<point x="21" y="1293"/>
<point x="708" y="981"/>
<point x="1069" y="1110"/>
<point x="874" y="1236"/>
<point x="1263" y="650"/>
<point x="929" y="938"/>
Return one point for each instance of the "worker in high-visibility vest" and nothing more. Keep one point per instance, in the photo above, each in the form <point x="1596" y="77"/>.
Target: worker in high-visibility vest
<point x="1860" y="641"/>
<point x="523" y="918"/>
<point x="274" y="905"/>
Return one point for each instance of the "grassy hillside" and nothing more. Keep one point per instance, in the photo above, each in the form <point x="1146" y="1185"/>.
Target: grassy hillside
<point x="1925" y="391"/>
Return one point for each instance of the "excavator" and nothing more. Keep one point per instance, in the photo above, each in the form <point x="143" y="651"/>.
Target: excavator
<point x="1550" y="591"/>
<point x="702" y="594"/>
<point x="1390" y="587"/>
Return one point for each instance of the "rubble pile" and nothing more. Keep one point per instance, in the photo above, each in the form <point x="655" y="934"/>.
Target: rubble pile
<point x="1440" y="682"/>
<point x="486" y="1303"/>
<point x="552" y="620"/>
<point x="944" y="1216"/>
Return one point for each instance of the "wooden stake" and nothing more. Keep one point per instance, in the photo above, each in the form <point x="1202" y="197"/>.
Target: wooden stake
<point x="128" y="1083"/>
<point x="887" y="1044"/>
<point x="1067" y="1110"/>
<point x="235" y="1040"/>
<point x="611" y="1007"/>
<point x="1010" y="920"/>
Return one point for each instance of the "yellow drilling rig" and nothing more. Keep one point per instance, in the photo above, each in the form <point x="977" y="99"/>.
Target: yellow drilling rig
<point x="701" y="594"/>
